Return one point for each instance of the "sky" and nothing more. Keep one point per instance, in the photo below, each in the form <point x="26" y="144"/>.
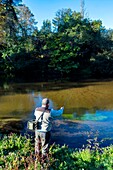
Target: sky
<point x="94" y="9"/>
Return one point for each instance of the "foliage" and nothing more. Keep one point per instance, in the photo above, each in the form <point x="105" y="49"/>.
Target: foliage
<point x="75" y="42"/>
<point x="102" y="66"/>
<point x="16" y="41"/>
<point x="17" y="152"/>
<point x="13" y="150"/>
<point x="71" y="47"/>
<point x="46" y="27"/>
<point x="27" y="23"/>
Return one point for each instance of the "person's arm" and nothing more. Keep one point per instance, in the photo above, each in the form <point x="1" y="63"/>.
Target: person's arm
<point x="56" y="113"/>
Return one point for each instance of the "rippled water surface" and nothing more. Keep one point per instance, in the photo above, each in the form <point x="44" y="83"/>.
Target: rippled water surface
<point x="82" y="101"/>
<point x="88" y="109"/>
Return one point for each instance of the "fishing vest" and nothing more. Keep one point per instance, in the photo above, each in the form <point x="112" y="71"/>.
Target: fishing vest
<point x="45" y="120"/>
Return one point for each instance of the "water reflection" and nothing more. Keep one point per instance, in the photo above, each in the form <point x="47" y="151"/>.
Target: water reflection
<point x="20" y="106"/>
<point x="88" y="108"/>
<point x="97" y="116"/>
<point x="15" y="105"/>
<point x="82" y="101"/>
<point x="38" y="101"/>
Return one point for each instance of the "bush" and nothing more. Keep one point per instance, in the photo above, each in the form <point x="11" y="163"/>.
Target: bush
<point x="17" y="153"/>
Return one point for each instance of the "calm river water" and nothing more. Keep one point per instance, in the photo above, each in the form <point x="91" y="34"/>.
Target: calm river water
<point x="88" y="109"/>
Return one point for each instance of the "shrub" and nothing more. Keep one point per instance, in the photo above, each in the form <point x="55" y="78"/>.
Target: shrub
<point x="17" y="153"/>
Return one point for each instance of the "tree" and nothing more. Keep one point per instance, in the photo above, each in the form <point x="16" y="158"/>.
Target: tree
<point x="19" y="38"/>
<point x="2" y="25"/>
<point x="26" y="20"/>
<point x="61" y="20"/>
<point x="74" y="42"/>
<point x="9" y="12"/>
<point x="46" y="27"/>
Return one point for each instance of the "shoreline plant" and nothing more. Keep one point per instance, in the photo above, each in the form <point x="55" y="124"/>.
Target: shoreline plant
<point x="17" y="153"/>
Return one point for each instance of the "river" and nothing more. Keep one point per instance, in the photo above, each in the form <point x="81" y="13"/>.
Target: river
<point x="88" y="109"/>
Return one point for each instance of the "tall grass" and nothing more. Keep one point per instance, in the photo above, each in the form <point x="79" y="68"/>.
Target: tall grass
<point x="17" y="153"/>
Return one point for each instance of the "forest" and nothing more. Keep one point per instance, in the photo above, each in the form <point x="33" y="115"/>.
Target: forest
<point x="70" y="47"/>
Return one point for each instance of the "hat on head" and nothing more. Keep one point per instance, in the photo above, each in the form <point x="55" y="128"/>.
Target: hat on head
<point x="45" y="101"/>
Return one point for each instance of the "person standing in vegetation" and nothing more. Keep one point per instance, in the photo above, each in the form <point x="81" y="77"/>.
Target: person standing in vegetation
<point x="44" y="116"/>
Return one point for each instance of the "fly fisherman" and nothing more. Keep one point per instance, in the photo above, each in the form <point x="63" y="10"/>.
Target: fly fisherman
<point x="42" y="135"/>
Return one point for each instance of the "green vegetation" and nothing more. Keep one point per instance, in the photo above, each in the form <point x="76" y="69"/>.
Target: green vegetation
<point x="71" y="47"/>
<point x="17" y="152"/>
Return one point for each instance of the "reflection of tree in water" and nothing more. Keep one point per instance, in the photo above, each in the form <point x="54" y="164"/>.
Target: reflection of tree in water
<point x="82" y="111"/>
<point x="38" y="101"/>
<point x="78" y="98"/>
